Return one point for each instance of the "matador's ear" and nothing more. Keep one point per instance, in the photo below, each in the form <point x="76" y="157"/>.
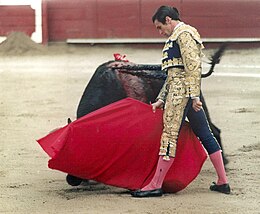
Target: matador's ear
<point x="167" y="19"/>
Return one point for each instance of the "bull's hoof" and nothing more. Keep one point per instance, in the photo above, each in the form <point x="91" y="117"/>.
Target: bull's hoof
<point x="73" y="181"/>
<point x="225" y="160"/>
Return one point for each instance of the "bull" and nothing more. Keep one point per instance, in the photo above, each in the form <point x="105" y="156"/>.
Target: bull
<point x="118" y="79"/>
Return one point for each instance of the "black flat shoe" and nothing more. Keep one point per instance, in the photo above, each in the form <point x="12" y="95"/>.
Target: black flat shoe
<point x="224" y="188"/>
<point x="148" y="193"/>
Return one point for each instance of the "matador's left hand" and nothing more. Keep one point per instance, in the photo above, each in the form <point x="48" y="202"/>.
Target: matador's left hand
<point x="196" y="104"/>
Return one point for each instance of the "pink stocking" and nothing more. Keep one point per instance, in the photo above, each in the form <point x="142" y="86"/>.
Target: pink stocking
<point x="163" y="167"/>
<point x="217" y="161"/>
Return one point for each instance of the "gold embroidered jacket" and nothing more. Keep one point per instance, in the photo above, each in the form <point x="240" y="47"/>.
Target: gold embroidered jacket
<point x="182" y="57"/>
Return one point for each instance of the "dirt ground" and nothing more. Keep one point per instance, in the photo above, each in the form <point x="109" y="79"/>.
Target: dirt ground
<point x="39" y="91"/>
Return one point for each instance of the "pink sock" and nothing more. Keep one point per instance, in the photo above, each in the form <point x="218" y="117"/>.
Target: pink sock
<point x="163" y="167"/>
<point x="217" y="161"/>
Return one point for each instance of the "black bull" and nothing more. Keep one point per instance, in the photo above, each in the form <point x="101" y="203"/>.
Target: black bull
<point x="116" y="80"/>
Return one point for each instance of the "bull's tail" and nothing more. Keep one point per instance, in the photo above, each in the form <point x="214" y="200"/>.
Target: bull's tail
<point x="215" y="59"/>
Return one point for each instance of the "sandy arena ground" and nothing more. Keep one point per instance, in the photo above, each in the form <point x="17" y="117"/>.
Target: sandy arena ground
<point x="38" y="92"/>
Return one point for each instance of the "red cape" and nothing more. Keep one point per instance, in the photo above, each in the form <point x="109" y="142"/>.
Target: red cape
<point x="118" y="145"/>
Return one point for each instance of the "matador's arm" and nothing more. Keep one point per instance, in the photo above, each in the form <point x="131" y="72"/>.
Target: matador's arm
<point x="191" y="56"/>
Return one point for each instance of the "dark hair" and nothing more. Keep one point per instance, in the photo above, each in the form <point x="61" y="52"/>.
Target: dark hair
<point x="164" y="11"/>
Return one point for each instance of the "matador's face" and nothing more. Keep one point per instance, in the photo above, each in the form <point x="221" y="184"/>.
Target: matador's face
<point x="164" y="29"/>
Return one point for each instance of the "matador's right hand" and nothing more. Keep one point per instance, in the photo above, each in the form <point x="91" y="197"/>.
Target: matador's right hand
<point x="196" y="104"/>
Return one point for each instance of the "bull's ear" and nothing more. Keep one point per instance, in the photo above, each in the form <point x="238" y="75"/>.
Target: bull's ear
<point x="69" y="121"/>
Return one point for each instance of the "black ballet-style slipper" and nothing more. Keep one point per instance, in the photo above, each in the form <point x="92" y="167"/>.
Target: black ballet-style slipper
<point x="148" y="193"/>
<point x="224" y="188"/>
